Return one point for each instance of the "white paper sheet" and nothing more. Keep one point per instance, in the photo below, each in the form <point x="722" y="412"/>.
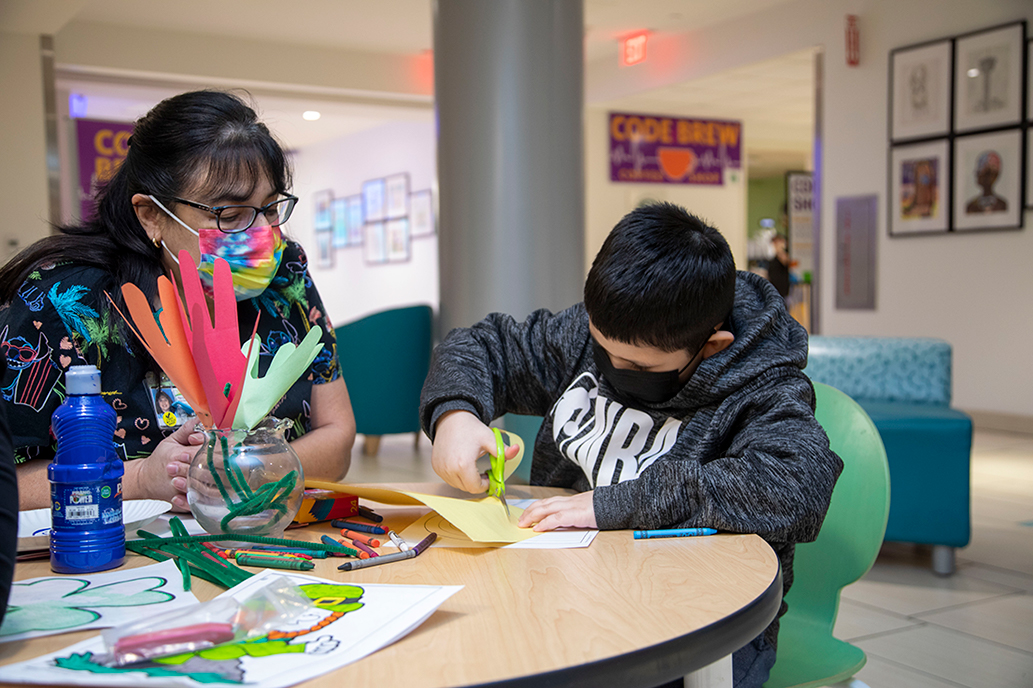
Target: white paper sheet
<point x="367" y="618"/>
<point x="62" y="604"/>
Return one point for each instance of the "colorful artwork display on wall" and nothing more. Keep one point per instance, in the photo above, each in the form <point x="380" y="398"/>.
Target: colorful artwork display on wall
<point x="958" y="139"/>
<point x="382" y="220"/>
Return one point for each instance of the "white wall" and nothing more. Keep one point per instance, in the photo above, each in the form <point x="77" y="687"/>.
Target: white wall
<point x="352" y="288"/>
<point x="971" y="290"/>
<point x="23" y="176"/>
<point x="606" y="202"/>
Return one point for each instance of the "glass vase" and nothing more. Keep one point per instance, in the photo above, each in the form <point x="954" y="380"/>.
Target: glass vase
<point x="246" y="482"/>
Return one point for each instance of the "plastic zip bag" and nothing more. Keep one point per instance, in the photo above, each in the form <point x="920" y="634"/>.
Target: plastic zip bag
<point x="222" y="620"/>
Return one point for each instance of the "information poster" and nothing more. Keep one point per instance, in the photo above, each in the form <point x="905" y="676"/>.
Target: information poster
<point x="800" y="216"/>
<point x="102" y="148"/>
<point x="654" y="149"/>
<point x="855" y="252"/>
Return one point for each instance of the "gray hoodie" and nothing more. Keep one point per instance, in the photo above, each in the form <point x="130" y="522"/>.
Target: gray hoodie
<point x="737" y="449"/>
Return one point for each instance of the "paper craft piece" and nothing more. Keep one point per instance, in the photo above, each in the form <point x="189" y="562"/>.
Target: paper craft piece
<point x="450" y="536"/>
<point x="258" y="395"/>
<point x="168" y="344"/>
<point x="347" y="623"/>
<point x="482" y="519"/>
<point x="62" y="604"/>
<point x="215" y="346"/>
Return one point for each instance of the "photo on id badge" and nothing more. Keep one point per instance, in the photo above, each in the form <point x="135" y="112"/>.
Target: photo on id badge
<point x="170" y="408"/>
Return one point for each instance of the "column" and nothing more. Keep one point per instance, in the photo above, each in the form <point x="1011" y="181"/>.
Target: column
<point x="509" y="99"/>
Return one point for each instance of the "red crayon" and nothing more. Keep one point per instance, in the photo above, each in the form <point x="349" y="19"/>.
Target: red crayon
<point x="360" y="537"/>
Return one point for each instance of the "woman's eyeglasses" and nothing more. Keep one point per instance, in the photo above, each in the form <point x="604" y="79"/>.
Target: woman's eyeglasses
<point x="237" y="218"/>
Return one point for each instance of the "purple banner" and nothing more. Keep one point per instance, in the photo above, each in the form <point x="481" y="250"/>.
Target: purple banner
<point x="672" y="150"/>
<point x="102" y="148"/>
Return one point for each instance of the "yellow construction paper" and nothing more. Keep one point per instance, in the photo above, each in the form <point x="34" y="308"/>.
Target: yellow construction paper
<point x="482" y="519"/>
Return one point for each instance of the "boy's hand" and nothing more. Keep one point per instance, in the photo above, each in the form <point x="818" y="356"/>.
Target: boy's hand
<point x="460" y="438"/>
<point x="575" y="511"/>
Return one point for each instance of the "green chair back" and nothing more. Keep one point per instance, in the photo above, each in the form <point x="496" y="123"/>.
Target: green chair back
<point x="846" y="547"/>
<point x="384" y="361"/>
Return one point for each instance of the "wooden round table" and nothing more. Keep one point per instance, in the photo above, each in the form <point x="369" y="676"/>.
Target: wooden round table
<point x="621" y="612"/>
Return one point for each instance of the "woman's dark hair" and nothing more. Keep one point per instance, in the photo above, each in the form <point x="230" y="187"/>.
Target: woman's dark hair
<point x="203" y="141"/>
<point x="663" y="278"/>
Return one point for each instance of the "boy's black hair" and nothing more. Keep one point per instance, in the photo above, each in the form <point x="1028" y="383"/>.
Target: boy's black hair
<point x="663" y="278"/>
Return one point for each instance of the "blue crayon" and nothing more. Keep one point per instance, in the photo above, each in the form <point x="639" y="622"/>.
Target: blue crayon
<point x="673" y="532"/>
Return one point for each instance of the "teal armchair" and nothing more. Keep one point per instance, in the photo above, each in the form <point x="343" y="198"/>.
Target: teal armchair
<point x="384" y="361"/>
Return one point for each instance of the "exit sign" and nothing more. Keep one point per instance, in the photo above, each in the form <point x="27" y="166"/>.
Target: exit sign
<point x="633" y="49"/>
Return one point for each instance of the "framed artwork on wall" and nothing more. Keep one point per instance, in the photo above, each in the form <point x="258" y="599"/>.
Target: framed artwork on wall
<point x="374" y="250"/>
<point x="421" y="214"/>
<point x="340" y="222"/>
<point x="1029" y="82"/>
<point x="1029" y="167"/>
<point x="323" y="214"/>
<point x="988" y="180"/>
<point x="988" y="78"/>
<point x="373" y="201"/>
<point x="919" y="196"/>
<point x="397" y="204"/>
<point x="355" y="220"/>
<point x="920" y="90"/>
<point x="397" y="240"/>
<point x="325" y="249"/>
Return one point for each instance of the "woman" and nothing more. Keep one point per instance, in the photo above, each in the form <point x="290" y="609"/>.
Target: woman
<point x="204" y="175"/>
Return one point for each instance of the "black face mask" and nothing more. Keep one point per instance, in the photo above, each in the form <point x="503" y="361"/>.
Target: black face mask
<point x="642" y="385"/>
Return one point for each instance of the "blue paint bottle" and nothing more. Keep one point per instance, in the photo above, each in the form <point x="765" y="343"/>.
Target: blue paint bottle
<point x="87" y="533"/>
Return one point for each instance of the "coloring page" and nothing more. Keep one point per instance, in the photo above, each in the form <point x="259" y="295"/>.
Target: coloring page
<point x="346" y="623"/>
<point x="62" y="604"/>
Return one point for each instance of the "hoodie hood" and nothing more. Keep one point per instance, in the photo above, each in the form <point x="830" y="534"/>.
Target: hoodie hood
<point x="766" y="337"/>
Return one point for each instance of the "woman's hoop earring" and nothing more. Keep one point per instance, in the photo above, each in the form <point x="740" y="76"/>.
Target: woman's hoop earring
<point x="156" y="241"/>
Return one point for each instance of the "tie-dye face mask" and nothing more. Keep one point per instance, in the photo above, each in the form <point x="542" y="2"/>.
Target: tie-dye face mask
<point x="253" y="255"/>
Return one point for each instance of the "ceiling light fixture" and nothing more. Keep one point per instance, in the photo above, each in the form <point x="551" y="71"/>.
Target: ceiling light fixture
<point x="310" y="115"/>
<point x="973" y="73"/>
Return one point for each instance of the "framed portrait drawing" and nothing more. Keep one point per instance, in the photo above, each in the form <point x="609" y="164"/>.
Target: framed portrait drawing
<point x="1029" y="85"/>
<point x="919" y="188"/>
<point x="374" y="250"/>
<point x="373" y="202"/>
<point x="397" y="240"/>
<point x="1029" y="167"/>
<point x="397" y="204"/>
<point x="323" y="214"/>
<point x="355" y="220"/>
<point x="988" y="180"/>
<point x="988" y="78"/>
<point x="920" y="90"/>
<point x="340" y="222"/>
<point x="325" y="250"/>
<point x="421" y="214"/>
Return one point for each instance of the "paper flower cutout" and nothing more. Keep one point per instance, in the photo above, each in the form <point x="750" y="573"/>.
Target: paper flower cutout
<point x="203" y="357"/>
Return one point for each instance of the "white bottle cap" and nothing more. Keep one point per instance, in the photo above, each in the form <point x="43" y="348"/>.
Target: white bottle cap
<point x="82" y="379"/>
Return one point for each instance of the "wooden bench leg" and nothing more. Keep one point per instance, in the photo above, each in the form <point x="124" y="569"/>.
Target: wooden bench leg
<point x="371" y="445"/>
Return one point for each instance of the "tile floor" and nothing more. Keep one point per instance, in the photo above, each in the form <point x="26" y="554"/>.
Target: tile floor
<point x="973" y="629"/>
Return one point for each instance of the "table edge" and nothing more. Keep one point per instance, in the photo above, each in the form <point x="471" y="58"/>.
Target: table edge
<point x="666" y="661"/>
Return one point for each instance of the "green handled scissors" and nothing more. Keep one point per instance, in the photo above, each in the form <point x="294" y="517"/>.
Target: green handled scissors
<point x="496" y="478"/>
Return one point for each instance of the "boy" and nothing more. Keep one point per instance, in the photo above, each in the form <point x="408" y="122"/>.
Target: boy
<point x="672" y="397"/>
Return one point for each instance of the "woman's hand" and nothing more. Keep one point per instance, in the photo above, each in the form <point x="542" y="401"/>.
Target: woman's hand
<point x="163" y="474"/>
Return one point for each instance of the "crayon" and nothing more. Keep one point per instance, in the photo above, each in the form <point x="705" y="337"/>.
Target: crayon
<point x="358" y="527"/>
<point x="360" y="537"/>
<point x="289" y="563"/>
<point x="370" y="514"/>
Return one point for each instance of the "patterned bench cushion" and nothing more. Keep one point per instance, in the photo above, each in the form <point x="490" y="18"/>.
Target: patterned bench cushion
<point x="915" y="370"/>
